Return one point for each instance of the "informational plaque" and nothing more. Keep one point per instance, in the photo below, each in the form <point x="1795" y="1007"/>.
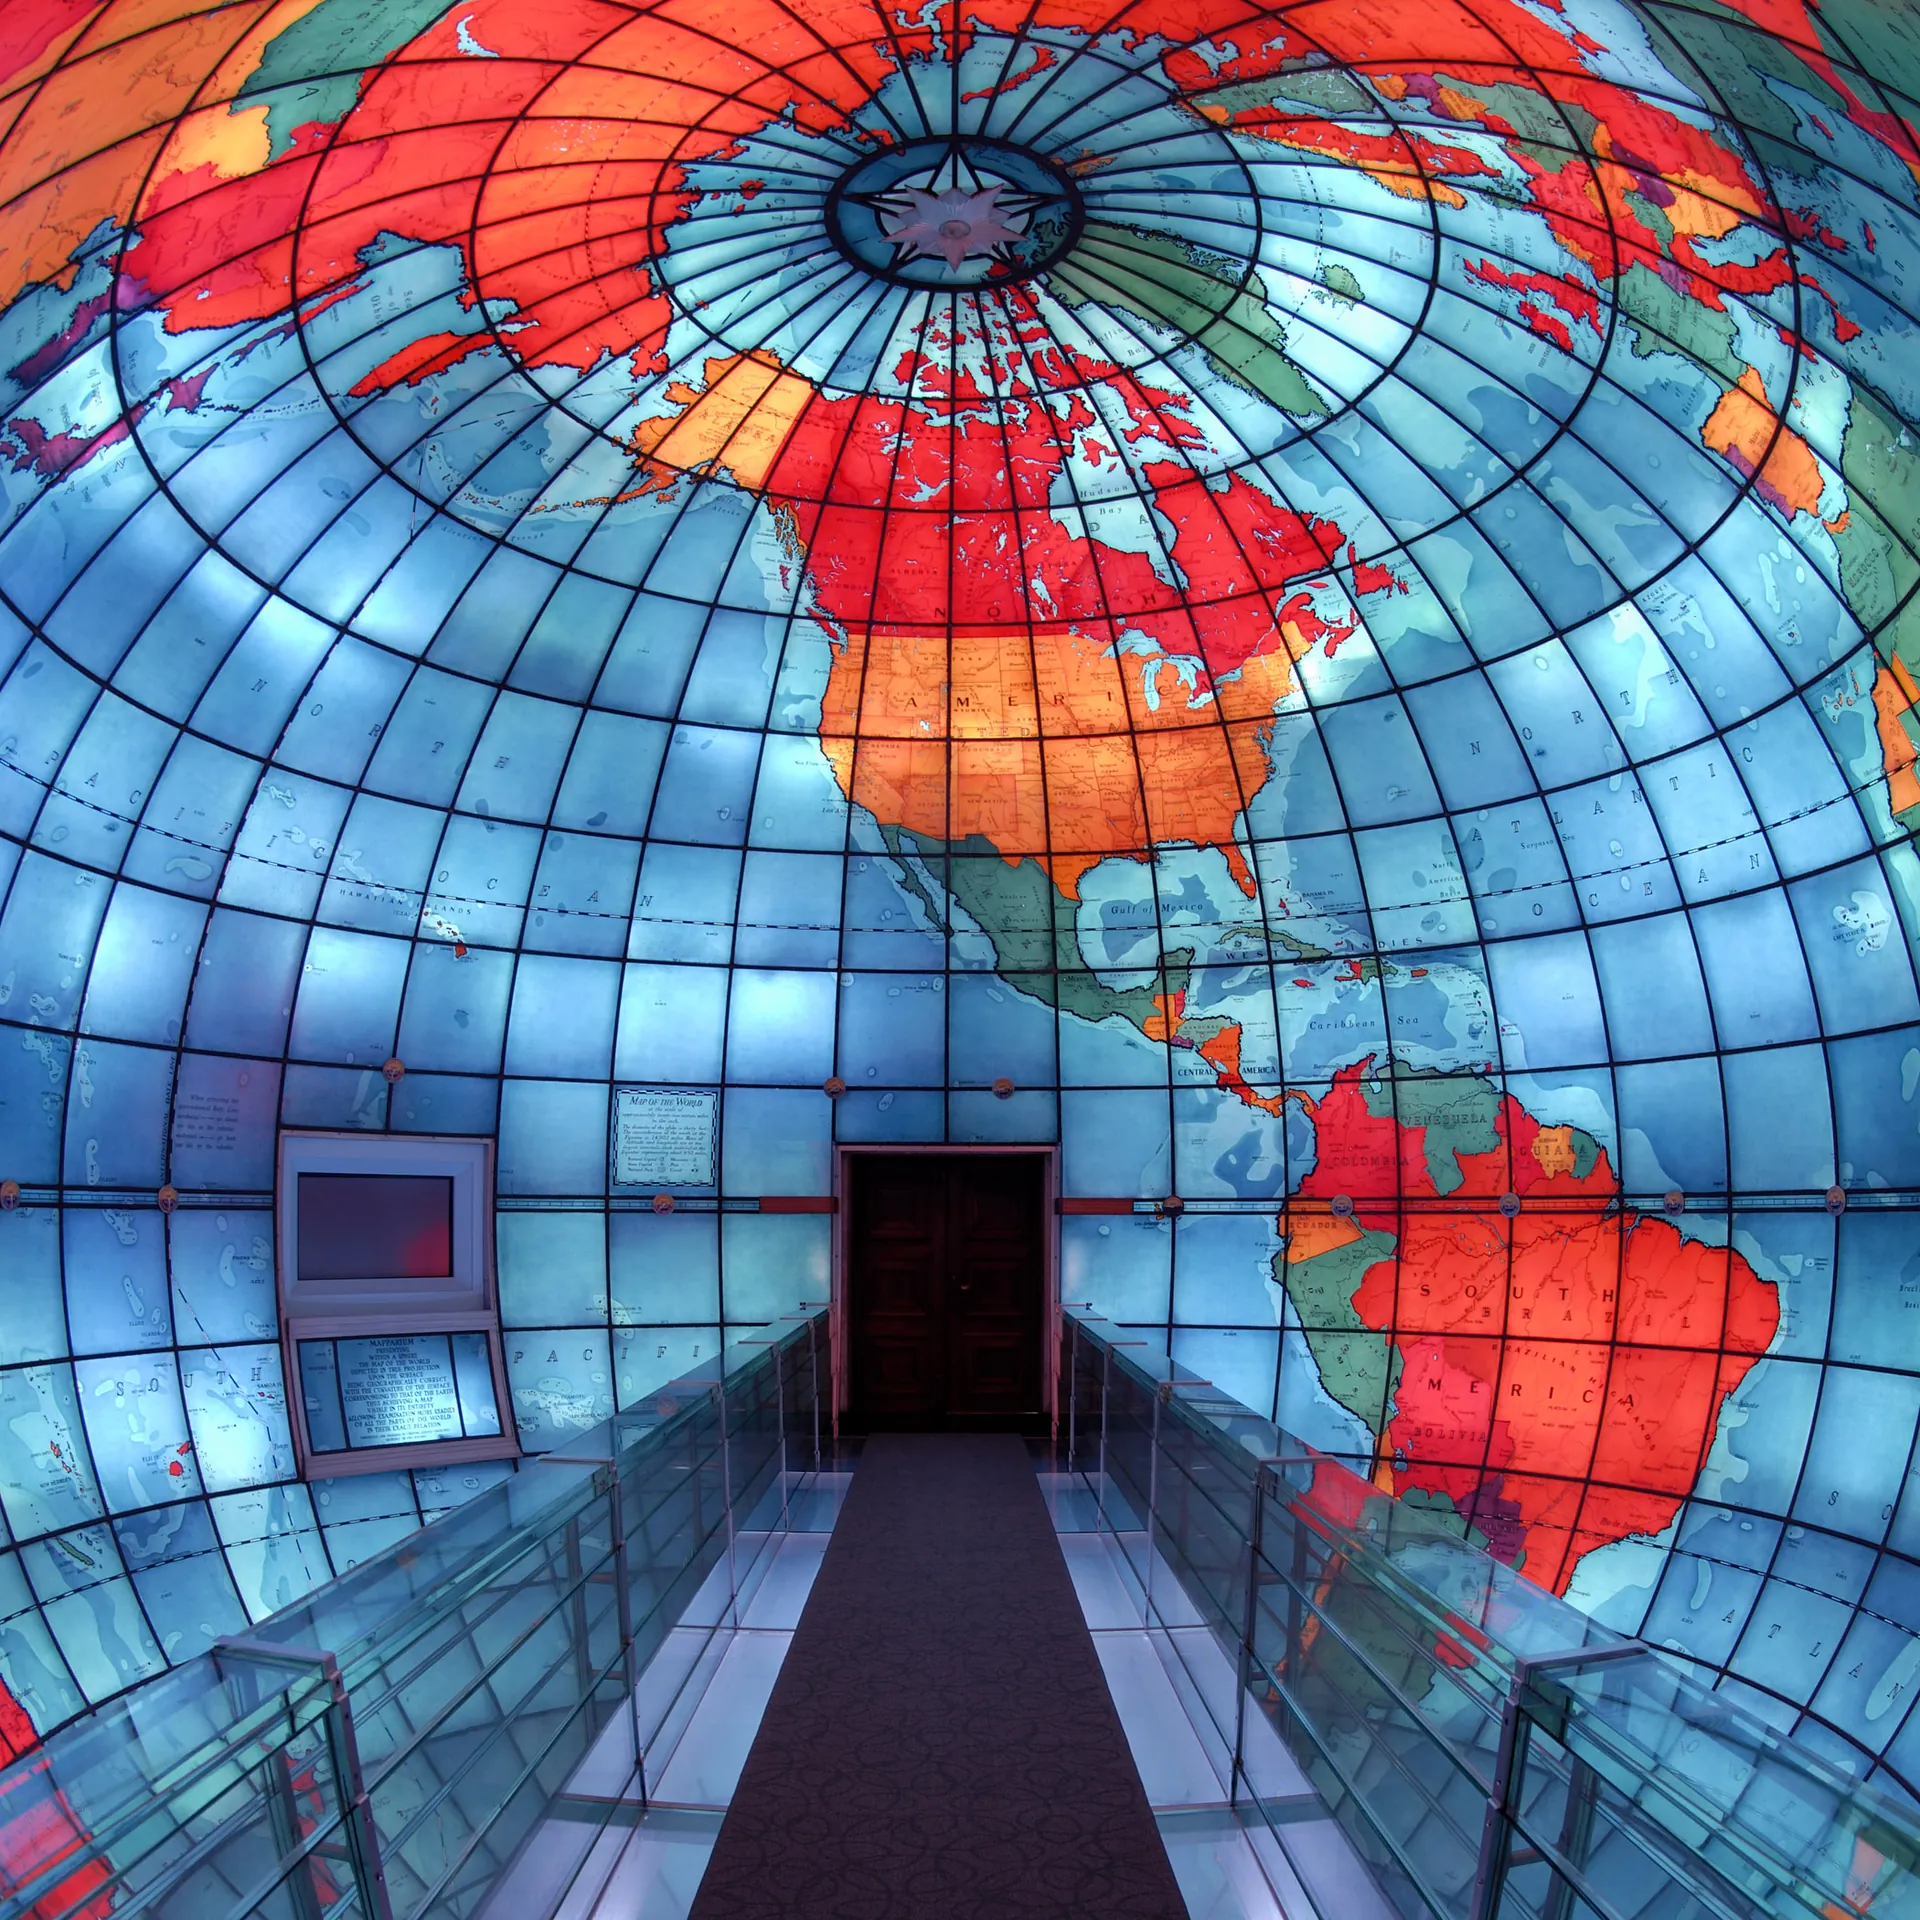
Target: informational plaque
<point x="664" y="1137"/>
<point x="398" y="1389"/>
<point x="207" y="1121"/>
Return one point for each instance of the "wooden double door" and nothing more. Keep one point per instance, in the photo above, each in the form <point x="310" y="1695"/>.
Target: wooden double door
<point x="946" y="1281"/>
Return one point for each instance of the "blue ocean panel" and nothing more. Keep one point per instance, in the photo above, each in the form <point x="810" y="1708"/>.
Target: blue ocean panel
<point x="553" y="1137"/>
<point x="561" y="1021"/>
<point x="664" y="1269"/>
<point x="552" y="1267"/>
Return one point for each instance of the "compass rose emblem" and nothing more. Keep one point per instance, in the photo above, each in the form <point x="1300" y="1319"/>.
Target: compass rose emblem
<point x="958" y="211"/>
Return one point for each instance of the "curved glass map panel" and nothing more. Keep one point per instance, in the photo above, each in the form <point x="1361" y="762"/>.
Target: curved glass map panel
<point x="1314" y="604"/>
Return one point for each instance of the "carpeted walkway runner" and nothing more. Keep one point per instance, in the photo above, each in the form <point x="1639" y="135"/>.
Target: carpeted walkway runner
<point x="940" y="1744"/>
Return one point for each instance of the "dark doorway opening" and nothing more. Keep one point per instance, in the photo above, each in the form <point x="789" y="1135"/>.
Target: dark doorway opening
<point x="946" y="1282"/>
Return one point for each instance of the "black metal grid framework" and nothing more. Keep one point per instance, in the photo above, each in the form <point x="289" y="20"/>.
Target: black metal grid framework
<point x="876" y="909"/>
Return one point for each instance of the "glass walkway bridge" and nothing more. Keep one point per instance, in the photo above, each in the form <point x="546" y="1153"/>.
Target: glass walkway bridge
<point x="392" y="1747"/>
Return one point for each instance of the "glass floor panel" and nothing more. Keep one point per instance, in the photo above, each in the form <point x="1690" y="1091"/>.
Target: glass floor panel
<point x="606" y="1853"/>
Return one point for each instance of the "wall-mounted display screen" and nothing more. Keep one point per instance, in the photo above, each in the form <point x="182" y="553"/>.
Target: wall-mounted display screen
<point x="375" y="1226"/>
<point x="397" y="1390"/>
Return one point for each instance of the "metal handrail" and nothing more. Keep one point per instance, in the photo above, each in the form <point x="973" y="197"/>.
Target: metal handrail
<point x="1577" y="1791"/>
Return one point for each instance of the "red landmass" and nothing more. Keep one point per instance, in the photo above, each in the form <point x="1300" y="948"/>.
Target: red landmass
<point x="44" y="358"/>
<point x="1649" y="162"/>
<point x="431" y="353"/>
<point x="1566" y="294"/>
<point x="1097" y="700"/>
<point x="1043" y="58"/>
<point x="1563" y="1370"/>
<point x="27" y="32"/>
<point x="52" y="454"/>
<point x="556" y="166"/>
<point x="39" y="1831"/>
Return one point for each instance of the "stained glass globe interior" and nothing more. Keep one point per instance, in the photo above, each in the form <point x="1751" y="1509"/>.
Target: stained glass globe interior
<point x="1311" y="607"/>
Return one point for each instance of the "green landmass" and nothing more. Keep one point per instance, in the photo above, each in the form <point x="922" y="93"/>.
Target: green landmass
<point x="1340" y="284"/>
<point x="1035" y="946"/>
<point x="1458" y="1112"/>
<point x="1271" y="943"/>
<point x="1326" y="91"/>
<point x="1545" y="130"/>
<point x="1653" y="216"/>
<point x="1360" y="1368"/>
<point x="1169" y="283"/>
<point x="311" y="71"/>
<point x="1880" y="37"/>
<point x="1436" y="1502"/>
<point x="1738" y="61"/>
<point x="1664" y="321"/>
<point x="1298" y="948"/>
<point x="1881" y="466"/>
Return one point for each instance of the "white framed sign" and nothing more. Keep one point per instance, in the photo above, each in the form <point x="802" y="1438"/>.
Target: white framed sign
<point x="665" y="1137"/>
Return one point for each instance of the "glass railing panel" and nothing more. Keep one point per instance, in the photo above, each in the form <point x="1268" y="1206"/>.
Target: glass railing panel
<point x="82" y="1831"/>
<point x="1487" y="1748"/>
<point x="1203" y="1511"/>
<point x="1764" y="1813"/>
<point x="1316" y="1591"/>
<point x="384" y="1747"/>
<point x="1575" y="1840"/>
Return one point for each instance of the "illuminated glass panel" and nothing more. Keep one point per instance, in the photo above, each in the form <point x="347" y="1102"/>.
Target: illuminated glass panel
<point x="1344" y="652"/>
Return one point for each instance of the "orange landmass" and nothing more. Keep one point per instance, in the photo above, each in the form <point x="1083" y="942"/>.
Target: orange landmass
<point x="1163" y="1025"/>
<point x="1894" y="701"/>
<point x="1310" y="1234"/>
<point x="1746" y="429"/>
<point x="1222" y="1053"/>
<point x="1564" y="1369"/>
<point x="1553" y="1150"/>
<point x="83" y="136"/>
<point x="738" y="419"/>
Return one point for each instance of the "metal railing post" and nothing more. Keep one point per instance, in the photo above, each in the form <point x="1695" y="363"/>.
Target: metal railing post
<point x="622" y="1594"/>
<point x="577" y="1607"/>
<point x="363" y="1841"/>
<point x="1073" y="1396"/>
<point x="1163" y="1395"/>
<point x="726" y="1495"/>
<point x="780" y="1414"/>
<point x="812" y="1310"/>
<point x="1576" y="1830"/>
<point x="283" y="1810"/>
<point x="1496" y="1830"/>
<point x="623" y="1606"/>
<point x="1249" y="1621"/>
<point x="1106" y="1376"/>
